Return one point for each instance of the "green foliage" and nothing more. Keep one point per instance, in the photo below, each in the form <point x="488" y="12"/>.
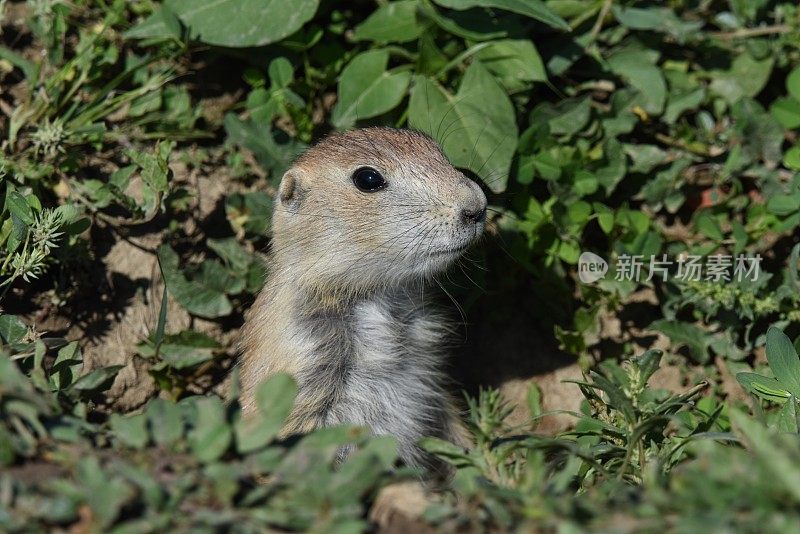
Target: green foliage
<point x="171" y="464"/>
<point x="621" y="128"/>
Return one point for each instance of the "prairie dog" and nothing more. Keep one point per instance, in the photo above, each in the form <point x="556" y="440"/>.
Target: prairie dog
<point x="362" y="222"/>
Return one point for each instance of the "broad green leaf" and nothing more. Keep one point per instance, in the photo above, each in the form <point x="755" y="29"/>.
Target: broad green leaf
<point x="648" y="363"/>
<point x="768" y="388"/>
<point x="394" y="22"/>
<point x="778" y="454"/>
<point x="793" y="83"/>
<point x="162" y="24"/>
<point x="211" y="435"/>
<point x="273" y="149"/>
<point x="645" y="157"/>
<point x="130" y="429"/>
<point x="792" y="158"/>
<point x="182" y="350"/>
<point x="568" y="117"/>
<point x="660" y="19"/>
<point x="605" y="217"/>
<point x="12" y="329"/>
<point x="274" y="398"/>
<point x="281" y="72"/>
<point x="762" y="136"/>
<point x="783" y="360"/>
<point x="17" y="205"/>
<point x="610" y="174"/>
<point x="690" y="335"/>
<point x="786" y="111"/>
<point x="243" y="23"/>
<point x="234" y="255"/>
<point x="105" y="493"/>
<point x="166" y="421"/>
<point x="547" y="166"/>
<point x="709" y="226"/>
<point x="66" y="367"/>
<point x="194" y="295"/>
<point x="638" y="67"/>
<point x="746" y="77"/>
<point x="585" y="183"/>
<point x="99" y="378"/>
<point x="787" y="419"/>
<point x="476" y="127"/>
<point x="154" y="167"/>
<point x="367" y="89"/>
<point x="249" y="212"/>
<point x="514" y="62"/>
<point x="783" y="204"/>
<point x="682" y="101"/>
<point x="535" y="9"/>
<point x="473" y="25"/>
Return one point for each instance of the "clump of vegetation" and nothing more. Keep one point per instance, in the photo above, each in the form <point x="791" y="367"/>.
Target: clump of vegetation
<point x="141" y="143"/>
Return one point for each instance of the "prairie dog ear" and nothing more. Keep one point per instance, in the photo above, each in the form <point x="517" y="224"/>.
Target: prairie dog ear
<point x="290" y="192"/>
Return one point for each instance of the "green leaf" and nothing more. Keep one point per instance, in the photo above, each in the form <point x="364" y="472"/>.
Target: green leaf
<point x="605" y="217"/>
<point x="274" y="398"/>
<point x="162" y="24"/>
<point x="660" y="19"/>
<point x="197" y="296"/>
<point x="211" y="435"/>
<point x="166" y="421"/>
<point x="783" y="360"/>
<point x="482" y="115"/>
<point x="682" y="101"/>
<point x="265" y="143"/>
<point x="547" y="166"/>
<point x="17" y="205"/>
<point x="281" y="72"/>
<point x="105" y="493"/>
<point x="767" y="388"/>
<point x="243" y="23"/>
<point x="793" y="83"/>
<point x="786" y="111"/>
<point x="638" y="67"/>
<point x="514" y="62"/>
<point x="234" y="255"/>
<point x="444" y="449"/>
<point x="778" y="455"/>
<point x="746" y="77"/>
<point x="792" y="158"/>
<point x="250" y="212"/>
<point x="154" y="167"/>
<point x="395" y="22"/>
<point x="12" y="329"/>
<point x="690" y="335"/>
<point x="130" y="429"/>
<point x="535" y="9"/>
<point x="367" y="89"/>
<point x="783" y="204"/>
<point x="648" y="363"/>
<point x="708" y="225"/>
<point x="182" y="350"/>
<point x="97" y="380"/>
<point x="29" y="68"/>
<point x="66" y="367"/>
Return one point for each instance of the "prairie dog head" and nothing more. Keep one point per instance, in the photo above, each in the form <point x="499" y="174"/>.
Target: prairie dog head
<point x="373" y="207"/>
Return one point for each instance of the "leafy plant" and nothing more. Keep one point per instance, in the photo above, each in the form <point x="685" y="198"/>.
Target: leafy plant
<point x="785" y="386"/>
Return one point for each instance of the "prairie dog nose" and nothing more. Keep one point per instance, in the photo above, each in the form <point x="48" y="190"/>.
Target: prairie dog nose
<point x="473" y="203"/>
<point x="473" y="215"/>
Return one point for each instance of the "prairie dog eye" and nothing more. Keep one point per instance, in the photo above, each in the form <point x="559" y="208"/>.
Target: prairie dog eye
<point x="368" y="180"/>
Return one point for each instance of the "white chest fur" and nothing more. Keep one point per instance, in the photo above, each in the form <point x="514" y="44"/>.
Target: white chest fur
<point x="387" y="359"/>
